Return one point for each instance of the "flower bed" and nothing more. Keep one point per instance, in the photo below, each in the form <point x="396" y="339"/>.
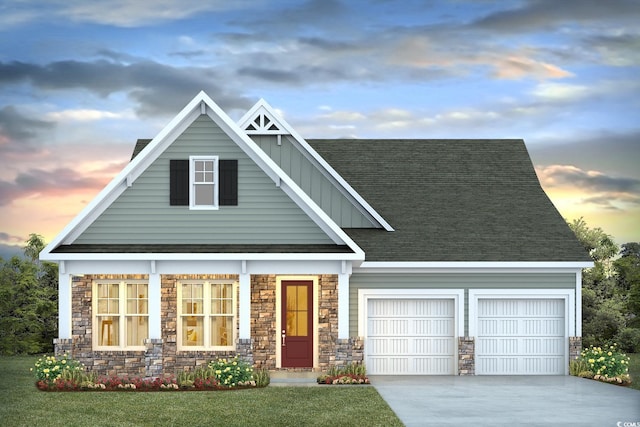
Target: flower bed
<point x="64" y="374"/>
<point x="341" y="375"/>
<point x="606" y="365"/>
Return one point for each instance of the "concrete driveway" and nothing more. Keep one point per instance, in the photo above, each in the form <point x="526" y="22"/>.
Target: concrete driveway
<point x="508" y="401"/>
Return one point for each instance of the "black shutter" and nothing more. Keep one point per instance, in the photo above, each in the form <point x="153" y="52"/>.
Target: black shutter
<point x="228" y="174"/>
<point x="179" y="182"/>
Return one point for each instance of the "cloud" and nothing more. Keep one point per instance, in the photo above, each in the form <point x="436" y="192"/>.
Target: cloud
<point x="120" y="13"/>
<point x="605" y="191"/>
<point x="57" y="182"/>
<point x="84" y="115"/>
<point x="19" y="133"/>
<point x="158" y="88"/>
<point x="539" y="14"/>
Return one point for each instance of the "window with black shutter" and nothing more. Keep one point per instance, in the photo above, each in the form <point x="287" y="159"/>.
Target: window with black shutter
<point x="179" y="182"/>
<point x="228" y="174"/>
<point x="213" y="182"/>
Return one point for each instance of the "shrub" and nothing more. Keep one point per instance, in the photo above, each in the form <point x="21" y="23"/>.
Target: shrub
<point x="232" y="372"/>
<point x="608" y="363"/>
<point x="629" y="340"/>
<point x="578" y="366"/>
<point x="48" y="369"/>
<point x="352" y="373"/>
<point x="262" y="378"/>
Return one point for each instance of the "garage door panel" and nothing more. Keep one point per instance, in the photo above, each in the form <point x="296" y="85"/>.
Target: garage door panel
<point x="433" y="346"/>
<point x="520" y="336"/>
<point x="410" y="336"/>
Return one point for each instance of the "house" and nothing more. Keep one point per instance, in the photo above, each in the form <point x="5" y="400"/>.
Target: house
<point x="412" y="256"/>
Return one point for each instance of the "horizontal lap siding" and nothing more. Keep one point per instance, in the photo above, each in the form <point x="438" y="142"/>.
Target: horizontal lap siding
<point x="464" y="281"/>
<point x="265" y="214"/>
<point x="312" y="181"/>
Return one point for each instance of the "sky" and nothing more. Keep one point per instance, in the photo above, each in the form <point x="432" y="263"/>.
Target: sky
<point x="80" y="81"/>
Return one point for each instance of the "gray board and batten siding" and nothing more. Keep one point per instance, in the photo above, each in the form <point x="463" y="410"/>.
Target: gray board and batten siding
<point x="142" y="214"/>
<point x="288" y="155"/>
<point x="465" y="281"/>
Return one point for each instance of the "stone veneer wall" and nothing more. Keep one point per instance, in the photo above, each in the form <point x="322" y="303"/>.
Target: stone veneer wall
<point x="101" y="362"/>
<point x="263" y="320"/>
<point x="172" y="359"/>
<point x="466" y="356"/>
<point x="575" y="347"/>
<point x="161" y="356"/>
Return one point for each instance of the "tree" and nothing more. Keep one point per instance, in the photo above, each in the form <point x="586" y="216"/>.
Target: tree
<point x="627" y="269"/>
<point x="28" y="301"/>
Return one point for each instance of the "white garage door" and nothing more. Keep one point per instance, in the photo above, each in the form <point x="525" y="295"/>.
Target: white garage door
<point x="521" y="337"/>
<point x="410" y="337"/>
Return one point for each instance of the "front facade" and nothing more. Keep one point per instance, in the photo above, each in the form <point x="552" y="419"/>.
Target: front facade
<point x="413" y="257"/>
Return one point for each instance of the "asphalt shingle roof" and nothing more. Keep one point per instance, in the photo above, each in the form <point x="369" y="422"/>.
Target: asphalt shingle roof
<point x="452" y="200"/>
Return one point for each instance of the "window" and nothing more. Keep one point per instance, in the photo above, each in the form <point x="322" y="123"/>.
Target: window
<point x="203" y="182"/>
<point x="121" y="314"/>
<point x="206" y="315"/>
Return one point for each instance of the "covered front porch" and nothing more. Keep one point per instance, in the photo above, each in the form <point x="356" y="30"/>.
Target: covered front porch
<point x="260" y="329"/>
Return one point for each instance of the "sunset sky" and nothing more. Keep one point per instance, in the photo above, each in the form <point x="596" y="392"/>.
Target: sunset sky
<point x="80" y="81"/>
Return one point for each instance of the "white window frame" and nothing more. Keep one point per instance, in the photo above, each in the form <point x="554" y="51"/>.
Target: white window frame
<point x="192" y="182"/>
<point x="122" y="314"/>
<point x="207" y="315"/>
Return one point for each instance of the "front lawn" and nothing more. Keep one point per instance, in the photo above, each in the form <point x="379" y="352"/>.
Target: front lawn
<point x="21" y="404"/>
<point x="634" y="370"/>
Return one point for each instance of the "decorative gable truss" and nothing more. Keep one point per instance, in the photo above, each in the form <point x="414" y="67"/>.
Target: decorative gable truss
<point x="262" y="119"/>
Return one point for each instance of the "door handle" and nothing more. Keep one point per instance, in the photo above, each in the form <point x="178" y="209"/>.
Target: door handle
<point x="284" y="338"/>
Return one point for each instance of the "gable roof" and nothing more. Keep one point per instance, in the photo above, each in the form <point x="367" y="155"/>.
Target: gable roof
<point x="199" y="105"/>
<point x="452" y="200"/>
<point x="264" y="120"/>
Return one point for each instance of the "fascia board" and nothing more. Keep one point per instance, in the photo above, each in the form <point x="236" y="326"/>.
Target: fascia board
<point x="472" y="267"/>
<point x="202" y="257"/>
<point x="133" y="169"/>
<point x="278" y="175"/>
<point x="317" y="157"/>
<point x="168" y="134"/>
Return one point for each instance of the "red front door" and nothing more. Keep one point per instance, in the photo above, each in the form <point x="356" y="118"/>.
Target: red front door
<point x="297" y="324"/>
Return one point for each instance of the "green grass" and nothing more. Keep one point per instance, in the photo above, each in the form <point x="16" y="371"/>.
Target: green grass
<point x="21" y="404"/>
<point x="634" y="370"/>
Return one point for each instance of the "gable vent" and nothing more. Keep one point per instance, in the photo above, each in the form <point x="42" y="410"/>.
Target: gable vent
<point x="264" y="124"/>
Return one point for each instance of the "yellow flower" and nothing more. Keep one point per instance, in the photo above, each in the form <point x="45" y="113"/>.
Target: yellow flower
<point x="63" y="361"/>
<point x="46" y="370"/>
<point x="591" y="361"/>
<point x="609" y="354"/>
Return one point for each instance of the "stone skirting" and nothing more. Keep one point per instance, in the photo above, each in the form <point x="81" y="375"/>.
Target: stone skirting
<point x="161" y="356"/>
<point x="349" y="350"/>
<point x="575" y="347"/>
<point x="466" y="356"/>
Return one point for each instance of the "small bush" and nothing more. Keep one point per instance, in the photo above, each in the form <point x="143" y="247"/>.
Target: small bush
<point x="261" y="377"/>
<point x="608" y="363"/>
<point x="629" y="340"/>
<point x="48" y="369"/>
<point x="232" y="372"/>
<point x="578" y="366"/>
<point x="352" y="373"/>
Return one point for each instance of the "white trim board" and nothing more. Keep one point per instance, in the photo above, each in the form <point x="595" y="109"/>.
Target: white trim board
<point x="365" y="294"/>
<point x="202" y="103"/>
<point x="263" y="107"/>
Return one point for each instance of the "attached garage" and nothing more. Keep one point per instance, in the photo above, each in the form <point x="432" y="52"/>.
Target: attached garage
<point x="520" y="335"/>
<point x="407" y="335"/>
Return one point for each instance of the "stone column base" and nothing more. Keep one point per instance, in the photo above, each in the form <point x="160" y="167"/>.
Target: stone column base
<point x="62" y="346"/>
<point x="153" y="357"/>
<point x="244" y="350"/>
<point x="575" y="347"/>
<point x="349" y="350"/>
<point x="466" y="356"/>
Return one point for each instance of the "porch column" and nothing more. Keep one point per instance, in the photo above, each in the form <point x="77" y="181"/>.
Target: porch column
<point x="578" y="313"/>
<point x="244" y="310"/>
<point x="64" y="304"/>
<point x="155" y="306"/>
<point x="343" y="305"/>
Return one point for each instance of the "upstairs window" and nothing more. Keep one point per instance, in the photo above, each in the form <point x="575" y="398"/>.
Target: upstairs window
<point x="203" y="182"/>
